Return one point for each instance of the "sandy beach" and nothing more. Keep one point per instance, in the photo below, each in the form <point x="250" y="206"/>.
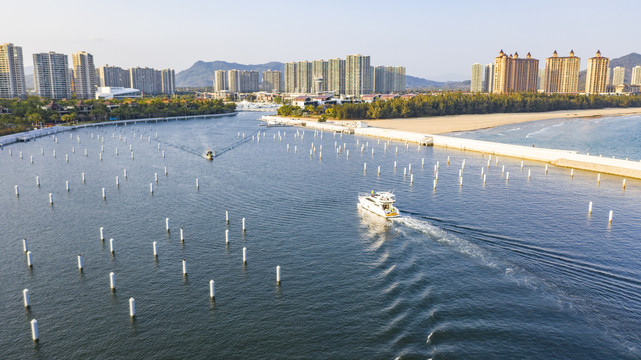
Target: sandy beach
<point x="452" y="123"/>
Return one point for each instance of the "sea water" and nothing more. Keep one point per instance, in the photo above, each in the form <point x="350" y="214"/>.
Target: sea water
<point x="507" y="269"/>
<point x="602" y="136"/>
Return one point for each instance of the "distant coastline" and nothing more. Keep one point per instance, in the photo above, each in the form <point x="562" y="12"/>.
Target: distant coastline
<point x="455" y="123"/>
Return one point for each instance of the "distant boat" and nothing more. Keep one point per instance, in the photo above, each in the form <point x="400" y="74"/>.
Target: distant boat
<point x="209" y="155"/>
<point x="274" y="123"/>
<point x="380" y="203"/>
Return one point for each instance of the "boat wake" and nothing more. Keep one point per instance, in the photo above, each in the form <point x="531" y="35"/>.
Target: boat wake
<point x="221" y="150"/>
<point x="218" y="150"/>
<point x="441" y="236"/>
<point x="511" y="271"/>
<point x="605" y="280"/>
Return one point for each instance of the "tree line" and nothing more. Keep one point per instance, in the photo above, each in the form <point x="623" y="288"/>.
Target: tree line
<point x="458" y="103"/>
<point x="31" y="112"/>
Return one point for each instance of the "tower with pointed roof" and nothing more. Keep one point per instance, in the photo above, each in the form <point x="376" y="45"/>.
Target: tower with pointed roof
<point x="514" y="74"/>
<point x="562" y="74"/>
<point x="597" y="74"/>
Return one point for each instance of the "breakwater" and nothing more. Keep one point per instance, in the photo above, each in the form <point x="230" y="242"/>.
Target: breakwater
<point x="561" y="158"/>
<point x="33" y="134"/>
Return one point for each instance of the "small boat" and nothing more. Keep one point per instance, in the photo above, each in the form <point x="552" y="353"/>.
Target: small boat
<point x="209" y="155"/>
<point x="380" y="203"/>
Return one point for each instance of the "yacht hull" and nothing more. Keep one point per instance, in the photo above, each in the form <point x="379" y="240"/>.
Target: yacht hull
<point x="369" y="206"/>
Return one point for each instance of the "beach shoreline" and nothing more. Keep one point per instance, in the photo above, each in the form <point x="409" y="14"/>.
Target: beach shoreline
<point x="456" y="123"/>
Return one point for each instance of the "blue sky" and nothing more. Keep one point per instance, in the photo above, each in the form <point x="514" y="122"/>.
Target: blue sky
<point x="438" y="40"/>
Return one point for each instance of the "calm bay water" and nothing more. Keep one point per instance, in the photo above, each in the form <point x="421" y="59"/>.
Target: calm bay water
<point x="508" y="270"/>
<point x="607" y="136"/>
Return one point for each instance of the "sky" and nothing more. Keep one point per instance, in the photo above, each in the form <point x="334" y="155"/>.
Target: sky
<point x="436" y="40"/>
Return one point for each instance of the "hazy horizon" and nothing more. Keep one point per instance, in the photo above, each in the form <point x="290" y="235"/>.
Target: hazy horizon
<point x="433" y="40"/>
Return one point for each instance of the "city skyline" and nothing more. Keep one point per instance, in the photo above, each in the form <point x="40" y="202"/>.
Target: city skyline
<point x="418" y="37"/>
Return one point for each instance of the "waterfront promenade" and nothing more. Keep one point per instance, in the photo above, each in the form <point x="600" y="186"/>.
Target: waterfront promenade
<point x="562" y="158"/>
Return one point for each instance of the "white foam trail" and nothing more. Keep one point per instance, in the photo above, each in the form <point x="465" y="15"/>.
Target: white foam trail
<point x="463" y="246"/>
<point x="537" y="132"/>
<point x="520" y="276"/>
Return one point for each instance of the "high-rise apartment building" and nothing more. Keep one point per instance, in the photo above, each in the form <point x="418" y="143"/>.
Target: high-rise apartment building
<point x="113" y="76"/>
<point x="71" y="80"/>
<point x="398" y="78"/>
<point x="562" y="73"/>
<point x="636" y="76"/>
<point x="233" y="80"/>
<point x="514" y="74"/>
<point x="389" y="79"/>
<point x="168" y="81"/>
<point x="488" y="81"/>
<point x="12" y="83"/>
<point x="597" y="75"/>
<point x="85" y="75"/>
<point x="320" y="69"/>
<point x="358" y="75"/>
<point x="382" y="79"/>
<point x="272" y="81"/>
<point x="252" y="81"/>
<point x="220" y="80"/>
<point x="241" y="81"/>
<point x="618" y="76"/>
<point x="50" y="75"/>
<point x="290" y="77"/>
<point x="304" y="79"/>
<point x="476" y="85"/>
<point x="97" y="79"/>
<point x="336" y="76"/>
<point x="147" y="80"/>
<point x="353" y="76"/>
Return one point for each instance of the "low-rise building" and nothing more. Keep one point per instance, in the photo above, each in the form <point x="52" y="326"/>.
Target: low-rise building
<point x="368" y="98"/>
<point x="53" y="106"/>
<point x="109" y="92"/>
<point x="265" y="96"/>
<point x="386" y="97"/>
<point x="302" y="101"/>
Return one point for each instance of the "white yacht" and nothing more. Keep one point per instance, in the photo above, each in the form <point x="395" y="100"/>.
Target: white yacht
<point x="380" y="203"/>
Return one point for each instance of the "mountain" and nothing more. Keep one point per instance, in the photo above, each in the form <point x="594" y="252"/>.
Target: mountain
<point x="28" y="77"/>
<point x="28" y="81"/>
<point x="201" y="74"/>
<point x="628" y="62"/>
<point x="413" y="82"/>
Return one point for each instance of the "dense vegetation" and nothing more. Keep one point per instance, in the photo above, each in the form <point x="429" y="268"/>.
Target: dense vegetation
<point x="26" y="114"/>
<point x="457" y="103"/>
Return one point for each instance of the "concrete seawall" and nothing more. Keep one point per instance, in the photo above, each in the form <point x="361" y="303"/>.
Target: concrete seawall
<point x="562" y="158"/>
<point x="28" y="135"/>
<point x="323" y="126"/>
